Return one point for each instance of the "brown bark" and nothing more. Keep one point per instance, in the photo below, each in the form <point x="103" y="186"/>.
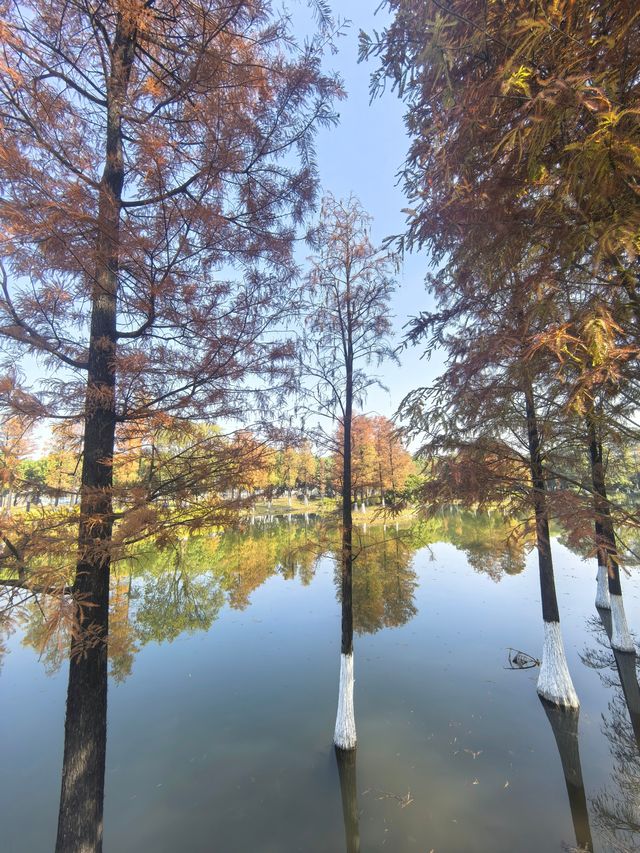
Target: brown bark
<point x="605" y="533"/>
<point x="82" y="794"/>
<point x="550" y="611"/>
<point x="347" y="512"/>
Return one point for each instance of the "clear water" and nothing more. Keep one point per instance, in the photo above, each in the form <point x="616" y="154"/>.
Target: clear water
<point x="223" y="694"/>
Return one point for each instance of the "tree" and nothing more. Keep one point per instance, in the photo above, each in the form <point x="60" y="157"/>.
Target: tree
<point x="15" y="445"/>
<point x="524" y="126"/>
<point x="593" y="355"/>
<point x="380" y="462"/>
<point x="484" y="411"/>
<point x="64" y="463"/>
<point x="306" y="469"/>
<point x="510" y="107"/>
<point x="148" y="153"/>
<point x="347" y="328"/>
<point x="393" y="462"/>
<point x="363" y="464"/>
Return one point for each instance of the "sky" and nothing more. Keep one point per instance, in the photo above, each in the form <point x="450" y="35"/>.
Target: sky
<point x="362" y="155"/>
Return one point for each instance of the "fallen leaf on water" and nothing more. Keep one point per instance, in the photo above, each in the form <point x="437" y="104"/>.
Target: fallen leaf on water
<point x="475" y="754"/>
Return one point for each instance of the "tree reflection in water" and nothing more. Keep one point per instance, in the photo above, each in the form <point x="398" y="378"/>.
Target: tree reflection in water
<point x="617" y="807"/>
<point x="162" y="594"/>
<point x="493" y="545"/>
<point x="564" y="723"/>
<point x="346" y="761"/>
<point x="384" y="582"/>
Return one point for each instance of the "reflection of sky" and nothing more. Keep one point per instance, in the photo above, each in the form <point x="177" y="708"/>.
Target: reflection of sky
<point x="225" y="735"/>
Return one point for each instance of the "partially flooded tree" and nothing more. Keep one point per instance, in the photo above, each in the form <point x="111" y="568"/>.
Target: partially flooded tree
<point x="487" y="416"/>
<point x="510" y="106"/>
<point x="155" y="158"/>
<point x="347" y="333"/>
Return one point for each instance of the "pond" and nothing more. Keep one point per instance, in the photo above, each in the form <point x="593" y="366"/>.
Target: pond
<point x="224" y="657"/>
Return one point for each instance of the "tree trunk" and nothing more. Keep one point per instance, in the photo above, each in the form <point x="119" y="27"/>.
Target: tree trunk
<point x="621" y="639"/>
<point x="603" y="600"/>
<point x="554" y="682"/>
<point x="82" y="795"/>
<point x="345" y="730"/>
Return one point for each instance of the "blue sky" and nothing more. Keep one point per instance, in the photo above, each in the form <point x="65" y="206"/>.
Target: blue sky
<point x="363" y="155"/>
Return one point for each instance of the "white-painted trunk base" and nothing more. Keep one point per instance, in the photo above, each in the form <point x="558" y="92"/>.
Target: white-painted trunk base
<point x="621" y="638"/>
<point x="345" y="733"/>
<point x="602" y="596"/>
<point x="554" y="681"/>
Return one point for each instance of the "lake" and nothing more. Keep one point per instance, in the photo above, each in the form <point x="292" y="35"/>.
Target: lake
<point x="223" y="687"/>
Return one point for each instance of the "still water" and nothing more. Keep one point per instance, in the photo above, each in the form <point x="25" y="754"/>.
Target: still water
<point x="223" y="688"/>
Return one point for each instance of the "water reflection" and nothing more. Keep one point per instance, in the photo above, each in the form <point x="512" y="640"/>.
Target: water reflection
<point x="163" y="594"/>
<point x="160" y="594"/>
<point x="626" y="665"/>
<point x="346" y="761"/>
<point x="617" y="806"/>
<point x="564" y="723"/>
<point x="492" y="543"/>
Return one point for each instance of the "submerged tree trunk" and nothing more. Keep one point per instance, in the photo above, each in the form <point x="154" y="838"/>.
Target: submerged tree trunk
<point x="621" y="639"/>
<point x="345" y="731"/>
<point x="564" y="724"/>
<point x="346" y="760"/>
<point x="80" y="816"/>
<point x="554" y="682"/>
